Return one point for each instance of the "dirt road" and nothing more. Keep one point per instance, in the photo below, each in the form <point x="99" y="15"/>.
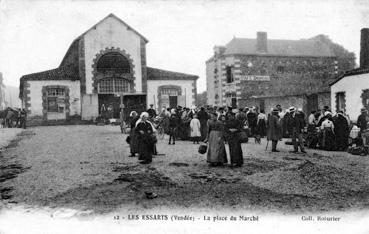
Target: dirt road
<point x="88" y="168"/>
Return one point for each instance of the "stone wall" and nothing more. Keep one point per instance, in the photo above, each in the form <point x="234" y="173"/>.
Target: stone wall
<point x="288" y="75"/>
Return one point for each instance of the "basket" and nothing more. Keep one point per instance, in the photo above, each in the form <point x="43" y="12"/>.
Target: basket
<point x="203" y="149"/>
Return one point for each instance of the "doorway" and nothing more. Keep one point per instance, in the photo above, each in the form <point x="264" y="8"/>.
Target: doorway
<point x="312" y="103"/>
<point x="173" y="101"/>
<point x="106" y="100"/>
<point x="234" y="102"/>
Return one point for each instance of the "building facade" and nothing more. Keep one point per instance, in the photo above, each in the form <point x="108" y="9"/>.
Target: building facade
<point x="263" y="72"/>
<point x="104" y="66"/>
<point x="350" y="92"/>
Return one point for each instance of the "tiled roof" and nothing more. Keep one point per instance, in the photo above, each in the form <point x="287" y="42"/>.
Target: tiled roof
<point x="69" y="72"/>
<point x="356" y="71"/>
<point x="61" y="73"/>
<point x="303" y="47"/>
<point x="158" y="74"/>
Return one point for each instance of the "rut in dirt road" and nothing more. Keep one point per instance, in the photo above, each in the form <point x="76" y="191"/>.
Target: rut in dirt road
<point x="9" y="166"/>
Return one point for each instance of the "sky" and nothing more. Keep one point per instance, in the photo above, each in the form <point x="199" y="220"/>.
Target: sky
<point x="35" y="35"/>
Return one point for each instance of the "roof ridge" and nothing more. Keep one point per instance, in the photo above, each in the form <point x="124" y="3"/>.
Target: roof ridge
<point x="179" y="73"/>
<point x="120" y="20"/>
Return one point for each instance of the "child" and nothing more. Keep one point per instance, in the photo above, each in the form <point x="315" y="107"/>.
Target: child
<point x="195" y="129"/>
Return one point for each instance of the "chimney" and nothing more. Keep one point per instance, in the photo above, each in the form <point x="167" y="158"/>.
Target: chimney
<point x="261" y="42"/>
<point x="364" y="48"/>
<point x="219" y="50"/>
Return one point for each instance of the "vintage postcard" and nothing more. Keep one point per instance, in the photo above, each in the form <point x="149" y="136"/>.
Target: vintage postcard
<point x="171" y="116"/>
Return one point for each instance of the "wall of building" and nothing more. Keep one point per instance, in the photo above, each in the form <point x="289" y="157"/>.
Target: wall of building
<point x="353" y="87"/>
<point x="35" y="95"/>
<point x="90" y="106"/>
<point x="215" y="81"/>
<point x="107" y="34"/>
<point x="305" y="75"/>
<point x="187" y="86"/>
<point x="324" y="99"/>
<point x="210" y="78"/>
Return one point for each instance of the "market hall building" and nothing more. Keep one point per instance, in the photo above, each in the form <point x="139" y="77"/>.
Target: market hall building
<point x="104" y="66"/>
<point x="264" y="72"/>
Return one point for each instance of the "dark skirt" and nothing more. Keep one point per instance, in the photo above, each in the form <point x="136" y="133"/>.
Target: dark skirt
<point x="134" y="141"/>
<point x="328" y="139"/>
<point x="235" y="149"/>
<point x="203" y="129"/>
<point x="261" y="128"/>
<point x="145" y="148"/>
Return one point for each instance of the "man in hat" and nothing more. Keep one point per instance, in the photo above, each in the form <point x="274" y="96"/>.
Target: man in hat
<point x="297" y="124"/>
<point x="241" y="116"/>
<point x="274" y="132"/>
<point x="362" y="121"/>
<point x="151" y="111"/>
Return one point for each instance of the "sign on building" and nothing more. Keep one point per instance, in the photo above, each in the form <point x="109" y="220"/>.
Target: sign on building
<point x="255" y="78"/>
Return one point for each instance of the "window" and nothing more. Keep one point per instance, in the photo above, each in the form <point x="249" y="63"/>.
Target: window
<point x="340" y="101"/>
<point x="230" y="95"/>
<point x="229" y="72"/>
<point x="280" y="69"/>
<point x="121" y="85"/>
<point x="113" y="85"/>
<point x="56" y="100"/>
<point x="169" y="92"/>
<point x="113" y="62"/>
<point x="365" y="98"/>
<point x="55" y="92"/>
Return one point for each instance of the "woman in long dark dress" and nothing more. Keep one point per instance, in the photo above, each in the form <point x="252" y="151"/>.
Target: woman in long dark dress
<point x="261" y="124"/>
<point x="216" y="155"/>
<point x="327" y="127"/>
<point x="144" y="131"/>
<point x="233" y="128"/>
<point x="133" y="144"/>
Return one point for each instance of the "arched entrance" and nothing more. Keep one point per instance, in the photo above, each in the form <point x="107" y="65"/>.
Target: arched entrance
<point x="113" y="81"/>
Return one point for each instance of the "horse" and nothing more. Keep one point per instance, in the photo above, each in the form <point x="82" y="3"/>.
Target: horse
<point x="9" y="116"/>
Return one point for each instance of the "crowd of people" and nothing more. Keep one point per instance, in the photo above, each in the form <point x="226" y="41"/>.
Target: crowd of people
<point x="217" y="126"/>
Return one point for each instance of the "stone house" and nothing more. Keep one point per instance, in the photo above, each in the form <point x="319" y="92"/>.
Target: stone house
<point x="265" y="72"/>
<point x="105" y="66"/>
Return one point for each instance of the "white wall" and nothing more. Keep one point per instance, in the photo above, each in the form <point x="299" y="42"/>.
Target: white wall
<point x="90" y="106"/>
<point x="36" y="95"/>
<point x="152" y="90"/>
<point x="112" y="33"/>
<point x="353" y="86"/>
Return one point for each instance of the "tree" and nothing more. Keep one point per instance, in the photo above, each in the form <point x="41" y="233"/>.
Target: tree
<point x="2" y="92"/>
<point x="201" y="99"/>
